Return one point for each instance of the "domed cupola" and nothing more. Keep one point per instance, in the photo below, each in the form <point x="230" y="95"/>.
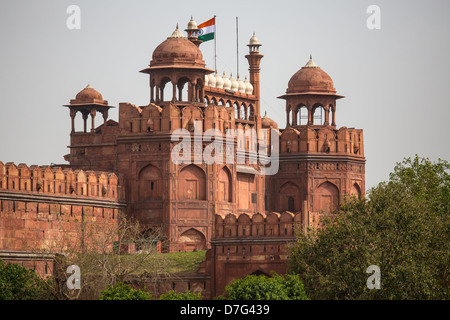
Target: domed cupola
<point x="87" y="95"/>
<point x="310" y="97"/>
<point x="177" y="51"/>
<point x="311" y="78"/>
<point x="178" y="62"/>
<point x="266" y="122"/>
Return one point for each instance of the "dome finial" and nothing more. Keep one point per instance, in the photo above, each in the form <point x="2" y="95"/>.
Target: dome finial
<point x="310" y="63"/>
<point x="177" y="33"/>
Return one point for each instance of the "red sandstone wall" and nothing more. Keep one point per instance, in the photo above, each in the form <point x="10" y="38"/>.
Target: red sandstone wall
<point x="41" y="209"/>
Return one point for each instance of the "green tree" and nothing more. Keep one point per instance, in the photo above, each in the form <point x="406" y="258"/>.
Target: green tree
<point x="122" y="291"/>
<point x="19" y="283"/>
<point x="254" y="287"/>
<point x="402" y="227"/>
<point x="175" y="295"/>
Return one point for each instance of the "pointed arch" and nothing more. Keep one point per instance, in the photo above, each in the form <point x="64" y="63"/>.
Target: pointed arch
<point x="192" y="183"/>
<point x="225" y="185"/>
<point x="318" y="114"/>
<point x="289" y="197"/>
<point x="356" y="191"/>
<point x="150" y="183"/>
<point x="326" y="197"/>
<point x="192" y="239"/>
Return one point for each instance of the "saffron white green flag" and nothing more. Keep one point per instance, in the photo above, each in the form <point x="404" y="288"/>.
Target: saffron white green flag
<point x="206" y="30"/>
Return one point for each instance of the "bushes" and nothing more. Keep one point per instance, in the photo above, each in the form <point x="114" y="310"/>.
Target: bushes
<point x="19" y="283"/>
<point x="121" y="291"/>
<point x="277" y="287"/>
<point x="187" y="295"/>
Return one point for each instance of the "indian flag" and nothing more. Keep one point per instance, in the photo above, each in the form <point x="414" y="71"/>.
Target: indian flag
<point x="206" y="30"/>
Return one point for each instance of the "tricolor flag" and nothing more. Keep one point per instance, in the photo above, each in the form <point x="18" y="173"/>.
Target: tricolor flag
<point x="206" y="30"/>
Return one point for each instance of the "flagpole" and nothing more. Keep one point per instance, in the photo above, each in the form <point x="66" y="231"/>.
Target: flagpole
<point x="237" y="46"/>
<point x="215" y="52"/>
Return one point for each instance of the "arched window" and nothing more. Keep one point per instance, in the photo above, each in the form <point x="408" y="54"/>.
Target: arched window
<point x="291" y="204"/>
<point x="251" y="112"/>
<point x="150" y="183"/>
<point x="183" y="89"/>
<point x="243" y="112"/>
<point x="166" y="88"/>
<point x="303" y="116"/>
<point x="238" y="110"/>
<point x="289" y="197"/>
<point x="356" y="191"/>
<point x="225" y="185"/>
<point x="318" y="115"/>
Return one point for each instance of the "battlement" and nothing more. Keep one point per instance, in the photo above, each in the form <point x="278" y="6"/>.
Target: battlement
<point x="59" y="181"/>
<point x="326" y="139"/>
<point x="268" y="225"/>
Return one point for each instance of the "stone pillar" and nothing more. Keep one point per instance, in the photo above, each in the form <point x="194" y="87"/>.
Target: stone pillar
<point x="305" y="218"/>
<point x="73" y="113"/>
<point x="157" y="93"/>
<point x="85" y="117"/>
<point x="174" y="92"/>
<point x="93" y="113"/>
<point x="327" y="116"/>
<point x="310" y="116"/>
<point x="152" y="98"/>
<point x="287" y="117"/>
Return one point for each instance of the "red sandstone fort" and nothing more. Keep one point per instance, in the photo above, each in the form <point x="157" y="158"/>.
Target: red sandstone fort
<point x="242" y="217"/>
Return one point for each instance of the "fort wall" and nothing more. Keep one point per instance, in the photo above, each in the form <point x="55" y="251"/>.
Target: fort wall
<point x="41" y="208"/>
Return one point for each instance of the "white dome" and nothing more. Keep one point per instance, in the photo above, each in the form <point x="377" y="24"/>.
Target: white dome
<point x="206" y="80"/>
<point x="192" y="25"/>
<point x="211" y="80"/>
<point x="241" y="85"/>
<point x="254" y="40"/>
<point x="226" y="82"/>
<point x="248" y="86"/>
<point x="234" y="84"/>
<point x="219" y="81"/>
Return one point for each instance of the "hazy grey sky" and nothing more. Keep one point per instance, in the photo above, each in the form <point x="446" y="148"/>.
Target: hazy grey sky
<point x="396" y="79"/>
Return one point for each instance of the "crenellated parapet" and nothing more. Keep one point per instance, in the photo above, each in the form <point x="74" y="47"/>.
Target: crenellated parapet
<point x="154" y="119"/>
<point x="59" y="181"/>
<point x="322" y="139"/>
<point x="259" y="225"/>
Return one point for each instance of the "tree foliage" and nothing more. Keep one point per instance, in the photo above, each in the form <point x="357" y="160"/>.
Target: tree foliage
<point x="261" y="287"/>
<point x="122" y="291"/>
<point x="108" y="253"/>
<point x="175" y="295"/>
<point x="402" y="227"/>
<point x="20" y="283"/>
